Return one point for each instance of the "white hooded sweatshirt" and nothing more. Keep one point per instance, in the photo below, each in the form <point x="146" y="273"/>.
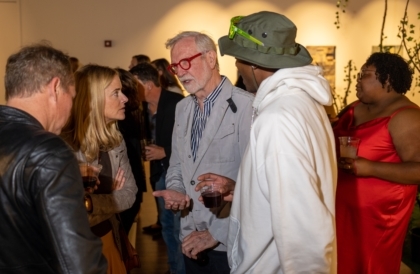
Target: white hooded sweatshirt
<point x="283" y="212"/>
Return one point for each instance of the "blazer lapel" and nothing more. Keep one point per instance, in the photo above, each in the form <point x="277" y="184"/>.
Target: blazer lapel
<point x="213" y="123"/>
<point x="188" y="117"/>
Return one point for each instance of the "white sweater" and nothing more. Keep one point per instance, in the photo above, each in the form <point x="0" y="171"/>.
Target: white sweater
<point x="283" y="213"/>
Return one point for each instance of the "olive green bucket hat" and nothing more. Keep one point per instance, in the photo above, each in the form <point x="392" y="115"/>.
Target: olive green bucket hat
<point x="266" y="39"/>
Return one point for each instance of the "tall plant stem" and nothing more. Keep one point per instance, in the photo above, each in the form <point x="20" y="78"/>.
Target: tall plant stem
<point x="383" y="26"/>
<point x="411" y="56"/>
<point x="349" y="82"/>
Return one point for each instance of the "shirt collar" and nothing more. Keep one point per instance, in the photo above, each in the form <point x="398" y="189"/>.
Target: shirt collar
<point x="213" y="95"/>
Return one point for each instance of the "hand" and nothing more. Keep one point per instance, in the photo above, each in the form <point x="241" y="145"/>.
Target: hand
<point x="119" y="180"/>
<point x="90" y="190"/>
<point x="174" y="200"/>
<point x="362" y="167"/>
<point x="90" y="172"/>
<point x="154" y="152"/>
<point x="227" y="185"/>
<point x="196" y="242"/>
<point x="359" y="166"/>
<point x="346" y="164"/>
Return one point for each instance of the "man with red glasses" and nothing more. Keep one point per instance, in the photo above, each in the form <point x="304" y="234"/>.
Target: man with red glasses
<point x="282" y="218"/>
<point x="210" y="134"/>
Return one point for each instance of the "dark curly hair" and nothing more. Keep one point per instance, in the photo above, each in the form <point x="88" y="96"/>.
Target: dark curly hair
<point x="393" y="67"/>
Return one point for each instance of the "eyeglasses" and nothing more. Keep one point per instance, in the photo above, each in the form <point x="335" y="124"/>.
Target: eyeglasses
<point x="362" y="73"/>
<point x="185" y="63"/>
<point x="233" y="30"/>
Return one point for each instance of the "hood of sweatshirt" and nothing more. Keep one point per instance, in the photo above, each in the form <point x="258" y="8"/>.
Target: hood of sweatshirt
<point x="308" y="78"/>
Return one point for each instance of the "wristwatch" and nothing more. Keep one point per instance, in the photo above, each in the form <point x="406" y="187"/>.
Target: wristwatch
<point x="88" y="203"/>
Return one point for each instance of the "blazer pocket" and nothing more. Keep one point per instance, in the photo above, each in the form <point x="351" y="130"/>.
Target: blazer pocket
<point x="225" y="131"/>
<point x="224" y="144"/>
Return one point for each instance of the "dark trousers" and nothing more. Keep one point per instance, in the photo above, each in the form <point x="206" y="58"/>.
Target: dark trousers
<point x="217" y="264"/>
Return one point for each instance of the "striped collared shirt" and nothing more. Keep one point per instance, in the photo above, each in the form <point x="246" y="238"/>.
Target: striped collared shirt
<point x="200" y="117"/>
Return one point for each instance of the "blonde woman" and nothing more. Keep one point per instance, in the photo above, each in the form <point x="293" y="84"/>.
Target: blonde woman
<point x="92" y="133"/>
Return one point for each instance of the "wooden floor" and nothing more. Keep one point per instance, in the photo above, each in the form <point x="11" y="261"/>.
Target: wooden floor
<point x="152" y="253"/>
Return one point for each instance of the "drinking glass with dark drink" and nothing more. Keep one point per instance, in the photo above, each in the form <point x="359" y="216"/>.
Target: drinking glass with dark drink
<point x="90" y="174"/>
<point x="212" y="196"/>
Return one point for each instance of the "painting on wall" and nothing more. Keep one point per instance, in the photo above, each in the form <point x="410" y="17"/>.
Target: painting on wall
<point x="389" y="48"/>
<point x="324" y="56"/>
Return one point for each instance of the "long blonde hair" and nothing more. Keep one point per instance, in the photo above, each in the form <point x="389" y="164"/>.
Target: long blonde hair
<point x="87" y="130"/>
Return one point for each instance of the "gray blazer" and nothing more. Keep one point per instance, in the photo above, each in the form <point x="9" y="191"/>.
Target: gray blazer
<point x="221" y="148"/>
<point x="106" y="205"/>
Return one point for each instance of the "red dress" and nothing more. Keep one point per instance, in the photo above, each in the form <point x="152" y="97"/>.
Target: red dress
<point x="372" y="214"/>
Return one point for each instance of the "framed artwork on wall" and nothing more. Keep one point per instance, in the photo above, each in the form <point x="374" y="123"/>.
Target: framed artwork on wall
<point x="324" y="56"/>
<point x="389" y="48"/>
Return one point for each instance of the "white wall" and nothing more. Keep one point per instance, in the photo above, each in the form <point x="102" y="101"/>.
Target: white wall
<point x="80" y="27"/>
<point x="9" y="36"/>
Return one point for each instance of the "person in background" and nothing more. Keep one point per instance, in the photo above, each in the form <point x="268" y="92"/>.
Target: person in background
<point x="132" y="130"/>
<point x="210" y="134"/>
<point x="74" y="64"/>
<point x="44" y="225"/>
<point x="156" y="228"/>
<point x="376" y="190"/>
<point x="92" y="133"/>
<point x="137" y="59"/>
<point x="167" y="79"/>
<point x="285" y="190"/>
<point x="161" y="105"/>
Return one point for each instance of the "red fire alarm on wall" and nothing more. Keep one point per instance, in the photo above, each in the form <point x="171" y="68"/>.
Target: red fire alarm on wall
<point x="108" y="43"/>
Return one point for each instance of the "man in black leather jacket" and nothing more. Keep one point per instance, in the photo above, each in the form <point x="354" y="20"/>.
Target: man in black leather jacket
<point x="44" y="225"/>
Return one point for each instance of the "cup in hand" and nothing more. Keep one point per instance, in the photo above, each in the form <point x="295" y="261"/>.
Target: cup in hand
<point x="90" y="174"/>
<point x="349" y="146"/>
<point x="144" y="143"/>
<point x="212" y="196"/>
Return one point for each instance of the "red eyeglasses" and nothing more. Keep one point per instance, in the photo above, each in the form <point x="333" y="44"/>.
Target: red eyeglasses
<point x="185" y="64"/>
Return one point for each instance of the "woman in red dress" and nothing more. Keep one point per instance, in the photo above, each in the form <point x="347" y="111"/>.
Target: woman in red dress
<point x="376" y="191"/>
